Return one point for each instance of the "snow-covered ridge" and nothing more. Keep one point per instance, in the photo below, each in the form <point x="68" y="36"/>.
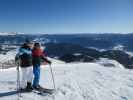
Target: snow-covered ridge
<point x="5" y="33"/>
<point x="129" y="53"/>
<point x="118" y="47"/>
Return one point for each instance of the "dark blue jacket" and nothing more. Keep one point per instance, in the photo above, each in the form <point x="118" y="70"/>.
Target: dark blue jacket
<point x="25" y="56"/>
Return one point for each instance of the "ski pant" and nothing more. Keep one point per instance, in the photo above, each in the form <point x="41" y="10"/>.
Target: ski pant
<point x="27" y="76"/>
<point x="36" y="71"/>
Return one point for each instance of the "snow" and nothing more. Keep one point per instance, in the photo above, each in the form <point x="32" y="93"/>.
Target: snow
<point x="109" y="63"/>
<point x="129" y="53"/>
<point x="56" y="61"/>
<point x="8" y="56"/>
<point x="82" y="81"/>
<point x="5" y="33"/>
<point x="101" y="50"/>
<point x="77" y="54"/>
<point x="118" y="47"/>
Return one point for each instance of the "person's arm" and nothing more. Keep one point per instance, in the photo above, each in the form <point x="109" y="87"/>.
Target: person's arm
<point x="17" y="59"/>
<point x="45" y="59"/>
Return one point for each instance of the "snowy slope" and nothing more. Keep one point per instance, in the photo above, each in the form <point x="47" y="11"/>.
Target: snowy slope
<point x="82" y="81"/>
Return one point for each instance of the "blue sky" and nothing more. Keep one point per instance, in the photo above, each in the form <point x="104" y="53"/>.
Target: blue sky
<point x="66" y="16"/>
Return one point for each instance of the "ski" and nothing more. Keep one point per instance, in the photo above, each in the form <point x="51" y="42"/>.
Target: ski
<point x="44" y="91"/>
<point x="40" y="90"/>
<point x="41" y="93"/>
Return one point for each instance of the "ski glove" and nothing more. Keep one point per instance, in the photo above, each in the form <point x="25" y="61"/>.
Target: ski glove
<point x="45" y="59"/>
<point x="49" y="62"/>
<point x="17" y="60"/>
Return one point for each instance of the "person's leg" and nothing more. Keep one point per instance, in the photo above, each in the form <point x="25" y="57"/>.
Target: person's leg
<point x="36" y="71"/>
<point x="30" y="74"/>
<point x="23" y="83"/>
<point x="29" y="77"/>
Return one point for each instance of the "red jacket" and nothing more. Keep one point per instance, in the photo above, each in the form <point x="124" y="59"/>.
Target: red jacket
<point x="38" y="55"/>
<point x="37" y="52"/>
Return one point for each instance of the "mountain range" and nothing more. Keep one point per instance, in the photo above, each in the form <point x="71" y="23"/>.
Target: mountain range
<point x="77" y="47"/>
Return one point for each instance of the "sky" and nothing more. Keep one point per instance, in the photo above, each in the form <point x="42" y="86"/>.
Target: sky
<point x="66" y="16"/>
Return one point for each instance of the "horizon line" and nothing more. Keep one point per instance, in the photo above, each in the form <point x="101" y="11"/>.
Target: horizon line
<point x="65" y="33"/>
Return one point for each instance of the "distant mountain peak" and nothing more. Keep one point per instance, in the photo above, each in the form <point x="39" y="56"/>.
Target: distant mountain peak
<point x="6" y="33"/>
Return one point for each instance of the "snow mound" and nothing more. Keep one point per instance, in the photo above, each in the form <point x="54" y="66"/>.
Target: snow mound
<point x="82" y="81"/>
<point x="109" y="63"/>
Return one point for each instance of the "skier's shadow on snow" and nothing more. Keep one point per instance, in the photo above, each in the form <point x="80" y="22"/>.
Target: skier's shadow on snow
<point x="4" y="94"/>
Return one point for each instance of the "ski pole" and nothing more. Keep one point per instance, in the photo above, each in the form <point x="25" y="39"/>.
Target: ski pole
<point x="52" y="76"/>
<point x="18" y="81"/>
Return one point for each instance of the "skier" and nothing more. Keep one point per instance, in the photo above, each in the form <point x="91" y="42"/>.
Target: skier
<point x="24" y="55"/>
<point x="37" y="57"/>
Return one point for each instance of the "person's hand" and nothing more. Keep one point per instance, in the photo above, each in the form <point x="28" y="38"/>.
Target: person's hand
<point x="17" y="62"/>
<point x="49" y="62"/>
<point x="17" y="67"/>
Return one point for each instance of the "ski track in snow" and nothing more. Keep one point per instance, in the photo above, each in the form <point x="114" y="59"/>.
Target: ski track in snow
<point x="82" y="81"/>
